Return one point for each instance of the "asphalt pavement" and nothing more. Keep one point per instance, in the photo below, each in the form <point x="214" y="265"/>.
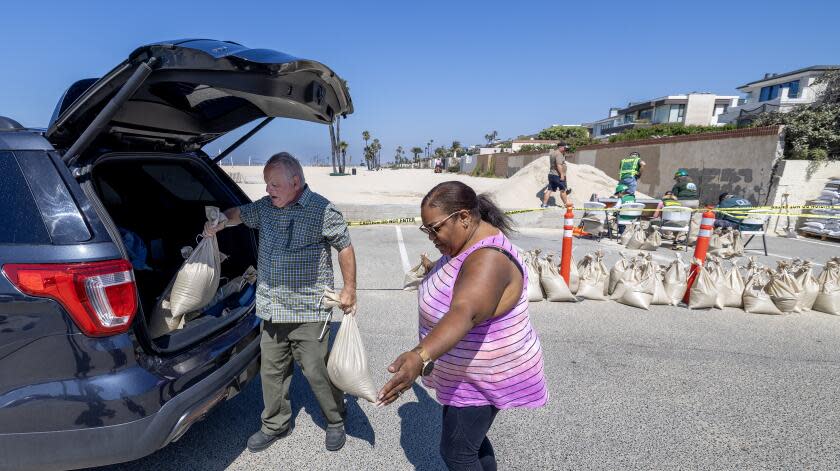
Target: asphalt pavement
<point x="630" y="389"/>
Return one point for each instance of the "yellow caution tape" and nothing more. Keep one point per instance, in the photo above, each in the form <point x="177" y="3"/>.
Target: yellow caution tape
<point x="759" y="210"/>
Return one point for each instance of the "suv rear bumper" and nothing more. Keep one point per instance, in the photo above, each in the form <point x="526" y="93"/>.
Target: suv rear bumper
<point x="72" y="449"/>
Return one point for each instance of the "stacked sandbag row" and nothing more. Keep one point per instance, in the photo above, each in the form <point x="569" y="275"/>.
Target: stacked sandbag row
<point x="791" y="287"/>
<point x="828" y="200"/>
<point x="640" y="282"/>
<point x="545" y="281"/>
<point x="638" y="238"/>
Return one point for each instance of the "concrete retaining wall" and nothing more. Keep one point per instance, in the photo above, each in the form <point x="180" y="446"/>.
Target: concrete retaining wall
<point x="739" y="161"/>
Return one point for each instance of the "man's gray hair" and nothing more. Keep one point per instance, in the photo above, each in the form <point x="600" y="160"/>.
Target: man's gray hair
<point x="289" y="164"/>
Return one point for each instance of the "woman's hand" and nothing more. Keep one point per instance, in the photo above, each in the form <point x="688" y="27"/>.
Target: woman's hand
<point x="427" y="263"/>
<point x="406" y="369"/>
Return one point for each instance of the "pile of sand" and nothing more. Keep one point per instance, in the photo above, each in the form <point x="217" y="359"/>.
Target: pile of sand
<point x="408" y="186"/>
<point x="525" y="188"/>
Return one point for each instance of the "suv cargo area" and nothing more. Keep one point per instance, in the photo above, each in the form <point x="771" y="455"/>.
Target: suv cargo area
<point x="160" y="199"/>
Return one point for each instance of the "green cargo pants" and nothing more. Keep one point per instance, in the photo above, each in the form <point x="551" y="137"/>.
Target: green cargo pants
<point x="279" y="345"/>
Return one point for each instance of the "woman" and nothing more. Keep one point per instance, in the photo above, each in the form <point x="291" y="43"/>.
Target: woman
<point x="477" y="347"/>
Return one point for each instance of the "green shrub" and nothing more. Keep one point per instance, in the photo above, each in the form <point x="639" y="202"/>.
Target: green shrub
<point x="665" y="130"/>
<point x="537" y="147"/>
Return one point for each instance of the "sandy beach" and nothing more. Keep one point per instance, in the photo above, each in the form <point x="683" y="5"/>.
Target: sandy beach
<point x="408" y="186"/>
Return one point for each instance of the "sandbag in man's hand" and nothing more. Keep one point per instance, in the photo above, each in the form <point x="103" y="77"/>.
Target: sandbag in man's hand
<point x="211" y="229"/>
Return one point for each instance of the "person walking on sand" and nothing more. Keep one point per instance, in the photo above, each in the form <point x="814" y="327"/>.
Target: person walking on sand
<point x="556" y="175"/>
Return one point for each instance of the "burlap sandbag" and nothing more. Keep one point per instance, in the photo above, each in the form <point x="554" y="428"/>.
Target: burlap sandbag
<point x="195" y="284"/>
<point x="637" y="238"/>
<point x="552" y="283"/>
<point x="784" y="291"/>
<point x="616" y="273"/>
<point x="348" y="365"/>
<point x="574" y="277"/>
<point x="737" y="243"/>
<point x="653" y="240"/>
<point x="809" y="285"/>
<point x="593" y="277"/>
<point x="675" y="280"/>
<point x="414" y="277"/>
<point x="628" y="234"/>
<point x="660" y="296"/>
<point x="756" y="299"/>
<point x="535" y="293"/>
<point x="828" y="297"/>
<point x="636" y="286"/>
<point x="731" y="288"/>
<point x="703" y="293"/>
<point x="720" y="244"/>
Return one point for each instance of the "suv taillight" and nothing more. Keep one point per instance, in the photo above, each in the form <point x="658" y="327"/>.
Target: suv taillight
<point x="100" y="296"/>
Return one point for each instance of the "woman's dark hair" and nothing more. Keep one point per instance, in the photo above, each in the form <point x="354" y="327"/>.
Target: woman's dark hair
<point x="455" y="196"/>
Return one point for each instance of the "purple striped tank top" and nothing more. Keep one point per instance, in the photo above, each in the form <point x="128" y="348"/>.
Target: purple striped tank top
<point x="499" y="362"/>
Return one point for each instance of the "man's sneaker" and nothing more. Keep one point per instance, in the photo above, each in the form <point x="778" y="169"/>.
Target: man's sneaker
<point x="335" y="438"/>
<point x="543" y="206"/>
<point x="260" y="441"/>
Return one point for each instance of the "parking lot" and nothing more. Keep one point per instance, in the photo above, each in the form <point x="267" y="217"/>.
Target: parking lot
<point x="664" y="388"/>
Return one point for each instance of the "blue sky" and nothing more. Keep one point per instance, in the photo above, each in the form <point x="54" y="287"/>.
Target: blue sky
<point x="434" y="70"/>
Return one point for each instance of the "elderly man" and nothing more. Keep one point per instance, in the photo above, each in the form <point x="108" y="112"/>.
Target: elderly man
<point x="297" y="228"/>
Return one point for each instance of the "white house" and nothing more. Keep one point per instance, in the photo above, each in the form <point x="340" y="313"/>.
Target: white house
<point x="702" y="109"/>
<point x="777" y="92"/>
<point x="517" y="144"/>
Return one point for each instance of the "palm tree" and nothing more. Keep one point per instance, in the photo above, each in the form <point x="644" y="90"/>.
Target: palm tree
<point x="456" y="146"/>
<point x="398" y="155"/>
<point x="491" y="137"/>
<point x="342" y="147"/>
<point x="416" y="151"/>
<point x="366" y="137"/>
<point x="333" y="149"/>
<point x="376" y="148"/>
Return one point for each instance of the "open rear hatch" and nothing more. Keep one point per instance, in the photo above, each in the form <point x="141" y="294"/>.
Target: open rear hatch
<point x="197" y="91"/>
<point x="134" y="140"/>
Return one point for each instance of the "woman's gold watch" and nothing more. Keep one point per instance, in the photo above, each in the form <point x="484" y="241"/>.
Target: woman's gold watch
<point x="428" y="364"/>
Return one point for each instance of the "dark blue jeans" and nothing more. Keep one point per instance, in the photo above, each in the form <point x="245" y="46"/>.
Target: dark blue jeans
<point x="463" y="440"/>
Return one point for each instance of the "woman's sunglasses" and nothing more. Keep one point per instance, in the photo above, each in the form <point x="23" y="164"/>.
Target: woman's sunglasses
<point x="432" y="229"/>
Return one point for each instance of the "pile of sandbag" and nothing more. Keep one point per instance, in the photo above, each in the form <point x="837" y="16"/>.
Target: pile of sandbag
<point x="545" y="281"/>
<point x="792" y="287"/>
<point x="641" y="282"/>
<point x="636" y="237"/>
<point x="194" y="286"/>
<point x="726" y="243"/>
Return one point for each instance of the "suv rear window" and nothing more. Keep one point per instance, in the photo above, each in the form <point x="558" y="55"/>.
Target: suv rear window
<point x="179" y="181"/>
<point x="21" y="219"/>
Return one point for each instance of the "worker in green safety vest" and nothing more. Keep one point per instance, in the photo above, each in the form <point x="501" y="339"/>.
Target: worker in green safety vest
<point x="684" y="188"/>
<point x="630" y="170"/>
<point x="624" y="197"/>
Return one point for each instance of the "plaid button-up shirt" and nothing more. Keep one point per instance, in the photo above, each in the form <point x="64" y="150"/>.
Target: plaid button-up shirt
<point x="294" y="264"/>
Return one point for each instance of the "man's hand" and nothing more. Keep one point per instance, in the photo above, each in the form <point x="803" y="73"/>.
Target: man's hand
<point x="211" y="229"/>
<point x="347" y="300"/>
<point x="406" y="369"/>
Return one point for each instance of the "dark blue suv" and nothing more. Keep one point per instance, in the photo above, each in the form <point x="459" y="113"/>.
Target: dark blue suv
<point x="82" y="380"/>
